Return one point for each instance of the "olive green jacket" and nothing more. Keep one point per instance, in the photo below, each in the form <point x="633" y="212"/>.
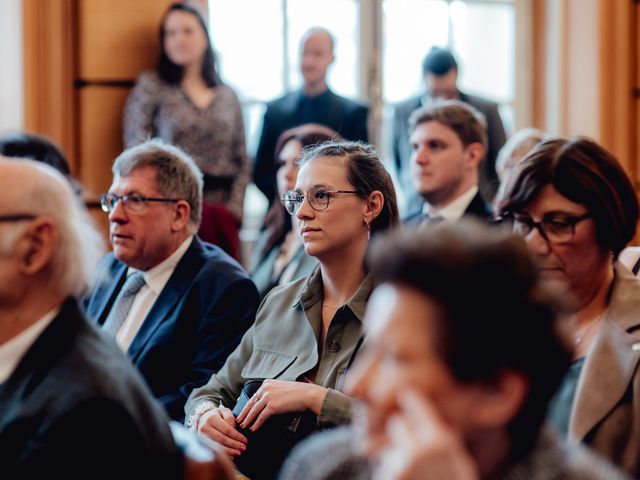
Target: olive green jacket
<point x="283" y="344"/>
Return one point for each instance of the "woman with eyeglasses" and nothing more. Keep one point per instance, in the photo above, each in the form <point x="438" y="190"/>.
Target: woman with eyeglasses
<point x="285" y="379"/>
<point x="279" y="253"/>
<point x="577" y="209"/>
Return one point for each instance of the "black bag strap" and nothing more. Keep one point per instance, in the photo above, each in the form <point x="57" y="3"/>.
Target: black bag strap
<point x="636" y="267"/>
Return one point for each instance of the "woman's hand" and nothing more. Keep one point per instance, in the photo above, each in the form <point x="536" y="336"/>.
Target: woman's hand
<point x="279" y="396"/>
<point x="219" y="425"/>
<point x="421" y="446"/>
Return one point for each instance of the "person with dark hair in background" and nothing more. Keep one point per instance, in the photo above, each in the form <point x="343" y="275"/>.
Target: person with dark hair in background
<point x="279" y="253"/>
<point x="463" y="354"/>
<point x="577" y="209"/>
<point x="285" y="378"/>
<point x="39" y="148"/>
<point x="313" y="103"/>
<point x="184" y="102"/>
<point x="440" y="74"/>
<point x="448" y="140"/>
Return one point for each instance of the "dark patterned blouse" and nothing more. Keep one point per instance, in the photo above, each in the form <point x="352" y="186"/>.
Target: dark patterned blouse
<point x="213" y="136"/>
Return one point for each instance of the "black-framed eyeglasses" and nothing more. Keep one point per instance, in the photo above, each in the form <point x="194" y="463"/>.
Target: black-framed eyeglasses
<point x="132" y="203"/>
<point x="19" y="217"/>
<point x="318" y="198"/>
<point x="554" y="227"/>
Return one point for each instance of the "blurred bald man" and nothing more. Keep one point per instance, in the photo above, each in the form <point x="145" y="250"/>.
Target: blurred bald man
<point x="71" y="403"/>
<point x="313" y="103"/>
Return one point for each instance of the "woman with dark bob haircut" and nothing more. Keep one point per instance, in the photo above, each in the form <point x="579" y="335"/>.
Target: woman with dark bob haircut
<point x="184" y="102"/>
<point x="577" y="209"/>
<point x="285" y="379"/>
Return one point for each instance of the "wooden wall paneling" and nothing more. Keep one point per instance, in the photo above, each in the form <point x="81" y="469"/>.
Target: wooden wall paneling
<point x="49" y="72"/>
<point x="539" y="35"/>
<point x="118" y="38"/>
<point x="617" y="70"/>
<point x="582" y="57"/>
<point x="101" y="134"/>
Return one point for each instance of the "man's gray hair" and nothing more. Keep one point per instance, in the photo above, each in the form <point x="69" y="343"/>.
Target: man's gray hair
<point x="80" y="245"/>
<point x="177" y="175"/>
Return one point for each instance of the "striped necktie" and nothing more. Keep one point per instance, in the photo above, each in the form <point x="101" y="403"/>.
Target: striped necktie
<point x="122" y="304"/>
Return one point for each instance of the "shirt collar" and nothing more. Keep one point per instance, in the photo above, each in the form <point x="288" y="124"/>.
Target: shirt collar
<point x="312" y="291"/>
<point x="157" y="277"/>
<point x="11" y="352"/>
<point x="454" y="210"/>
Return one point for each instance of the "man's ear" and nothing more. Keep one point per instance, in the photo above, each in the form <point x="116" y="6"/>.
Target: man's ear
<point x="181" y="215"/>
<point x="499" y="402"/>
<point x="475" y="152"/>
<point x="373" y="207"/>
<point x="37" y="246"/>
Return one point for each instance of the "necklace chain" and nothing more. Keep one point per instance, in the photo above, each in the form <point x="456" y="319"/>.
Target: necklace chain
<point x="331" y="306"/>
<point x="580" y="337"/>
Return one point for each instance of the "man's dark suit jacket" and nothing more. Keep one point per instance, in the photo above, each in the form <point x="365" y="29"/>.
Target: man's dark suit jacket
<point x="196" y="322"/>
<point x="402" y="147"/>
<point x="477" y="208"/>
<point x="75" y="407"/>
<point x="345" y="116"/>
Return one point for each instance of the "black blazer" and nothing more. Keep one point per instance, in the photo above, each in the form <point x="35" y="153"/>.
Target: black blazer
<point x="196" y="322"/>
<point x="74" y="407"/>
<point x="347" y="117"/>
<point x="478" y="208"/>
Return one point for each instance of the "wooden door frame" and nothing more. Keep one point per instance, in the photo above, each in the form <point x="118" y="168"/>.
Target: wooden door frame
<point x="50" y="71"/>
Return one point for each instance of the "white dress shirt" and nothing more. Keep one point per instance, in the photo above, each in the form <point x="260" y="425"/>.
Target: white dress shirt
<point x="453" y="211"/>
<point x="11" y="352"/>
<point x="155" y="280"/>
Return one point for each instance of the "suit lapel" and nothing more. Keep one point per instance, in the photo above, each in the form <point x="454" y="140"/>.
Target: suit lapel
<point x="478" y="207"/>
<point x="43" y="355"/>
<point x="164" y="306"/>
<point x="106" y="293"/>
<point x="611" y="361"/>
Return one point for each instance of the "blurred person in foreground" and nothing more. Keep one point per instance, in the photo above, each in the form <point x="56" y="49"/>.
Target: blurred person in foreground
<point x="71" y="404"/>
<point x="577" y="209"/>
<point x="453" y="389"/>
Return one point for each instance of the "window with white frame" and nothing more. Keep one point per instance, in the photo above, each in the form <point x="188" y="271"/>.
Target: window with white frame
<point x="257" y="44"/>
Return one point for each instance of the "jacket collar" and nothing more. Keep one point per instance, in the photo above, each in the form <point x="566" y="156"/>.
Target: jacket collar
<point x="612" y="359"/>
<point x="180" y="280"/>
<point x="311" y="293"/>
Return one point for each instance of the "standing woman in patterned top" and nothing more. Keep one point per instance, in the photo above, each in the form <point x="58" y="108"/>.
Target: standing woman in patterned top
<point x="184" y="102"/>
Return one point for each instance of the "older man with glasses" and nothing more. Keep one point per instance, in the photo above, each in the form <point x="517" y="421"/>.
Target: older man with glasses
<point x="176" y="305"/>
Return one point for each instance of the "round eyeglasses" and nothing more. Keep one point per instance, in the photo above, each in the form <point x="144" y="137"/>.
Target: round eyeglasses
<point x="132" y="203"/>
<point x="554" y="227"/>
<point x="318" y="198"/>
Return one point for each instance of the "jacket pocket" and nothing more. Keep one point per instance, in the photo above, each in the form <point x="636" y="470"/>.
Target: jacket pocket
<point x="266" y="363"/>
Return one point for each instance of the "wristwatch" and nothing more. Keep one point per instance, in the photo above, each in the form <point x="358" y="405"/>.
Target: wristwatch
<point x="201" y="409"/>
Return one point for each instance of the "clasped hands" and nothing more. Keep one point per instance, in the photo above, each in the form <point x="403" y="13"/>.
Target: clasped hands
<point x="274" y="397"/>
